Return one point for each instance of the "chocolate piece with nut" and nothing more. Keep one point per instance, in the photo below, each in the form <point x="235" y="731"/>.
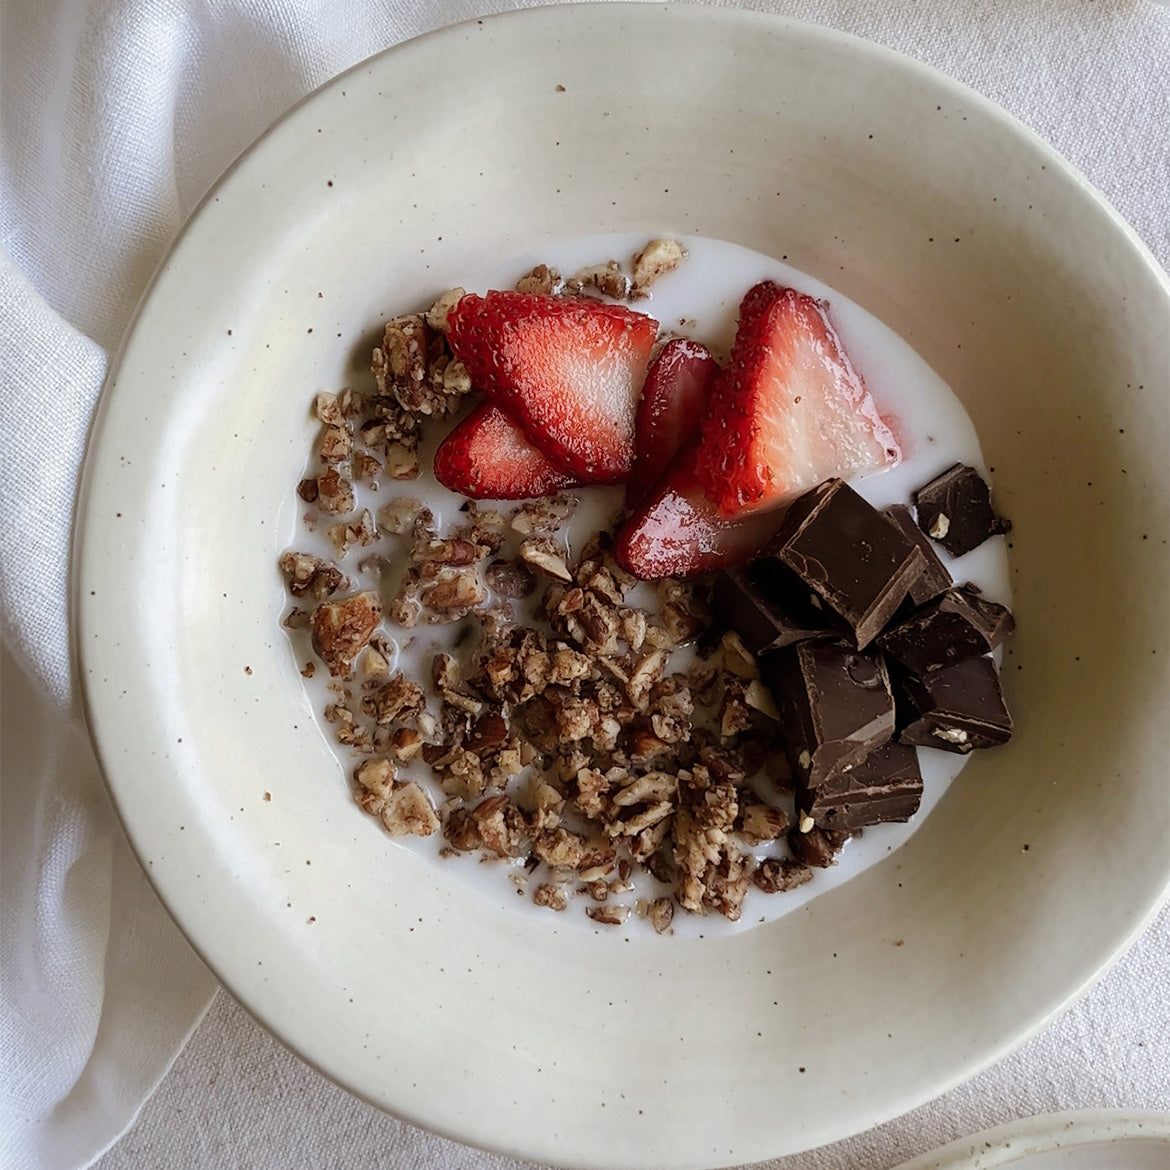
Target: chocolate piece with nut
<point x="815" y="846"/>
<point x="835" y="704"/>
<point x="958" y="625"/>
<point x="958" y="708"/>
<point x="955" y="510"/>
<point x="886" y="786"/>
<point x="857" y="559"/>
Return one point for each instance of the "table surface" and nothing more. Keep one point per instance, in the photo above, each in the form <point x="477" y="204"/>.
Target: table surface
<point x="1093" y="79"/>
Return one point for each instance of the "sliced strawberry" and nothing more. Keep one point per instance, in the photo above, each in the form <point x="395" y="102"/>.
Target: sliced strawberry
<point x="789" y="411"/>
<point x="678" y="532"/>
<point x="568" y="370"/>
<point x="677" y="385"/>
<point x="488" y="457"/>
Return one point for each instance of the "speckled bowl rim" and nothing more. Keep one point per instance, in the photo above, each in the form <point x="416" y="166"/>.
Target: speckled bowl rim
<point x="104" y="735"/>
<point x="1012" y="1143"/>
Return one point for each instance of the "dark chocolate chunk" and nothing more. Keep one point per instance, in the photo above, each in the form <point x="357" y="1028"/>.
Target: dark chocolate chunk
<point x="885" y="786"/>
<point x="960" y="624"/>
<point x="835" y="705"/>
<point x="856" y="558"/>
<point x="955" y="509"/>
<point x="817" y="847"/>
<point x="958" y="708"/>
<point x="934" y="579"/>
<point x="770" y="607"/>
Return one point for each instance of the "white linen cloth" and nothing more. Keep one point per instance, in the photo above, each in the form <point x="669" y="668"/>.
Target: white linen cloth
<point x="117" y="115"/>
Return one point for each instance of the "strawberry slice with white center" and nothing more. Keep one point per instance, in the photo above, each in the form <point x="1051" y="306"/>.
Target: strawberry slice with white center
<point x="488" y="457"/>
<point x="673" y="400"/>
<point x="789" y="411"/>
<point x="678" y="532"/>
<point x="568" y="370"/>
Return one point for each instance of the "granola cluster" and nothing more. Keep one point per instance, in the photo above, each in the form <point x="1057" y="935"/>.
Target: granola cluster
<point x="610" y="279"/>
<point x="584" y="727"/>
<point x="368" y="438"/>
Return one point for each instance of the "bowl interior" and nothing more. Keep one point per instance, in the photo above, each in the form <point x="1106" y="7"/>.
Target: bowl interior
<point x="909" y="194"/>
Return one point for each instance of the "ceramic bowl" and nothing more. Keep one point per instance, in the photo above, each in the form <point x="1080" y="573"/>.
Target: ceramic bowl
<point x="910" y="194"/>
<point x="1084" y="1139"/>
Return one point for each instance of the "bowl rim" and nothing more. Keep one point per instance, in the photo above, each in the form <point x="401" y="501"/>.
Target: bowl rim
<point x="90" y="688"/>
<point x="1010" y="1143"/>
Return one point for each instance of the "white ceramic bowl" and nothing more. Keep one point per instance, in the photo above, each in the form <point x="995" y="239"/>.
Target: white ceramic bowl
<point x="910" y="194"/>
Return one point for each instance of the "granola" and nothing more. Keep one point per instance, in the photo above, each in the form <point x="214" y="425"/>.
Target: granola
<point x="567" y="721"/>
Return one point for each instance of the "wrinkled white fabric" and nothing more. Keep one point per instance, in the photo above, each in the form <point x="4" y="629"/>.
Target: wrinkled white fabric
<point x="99" y="989"/>
<point x="116" y="117"/>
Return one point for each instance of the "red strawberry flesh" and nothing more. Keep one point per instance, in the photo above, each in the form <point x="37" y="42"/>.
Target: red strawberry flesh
<point x="488" y="457"/>
<point x="569" y="370"/>
<point x="678" y="532"/>
<point x="673" y="399"/>
<point x="789" y="411"/>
